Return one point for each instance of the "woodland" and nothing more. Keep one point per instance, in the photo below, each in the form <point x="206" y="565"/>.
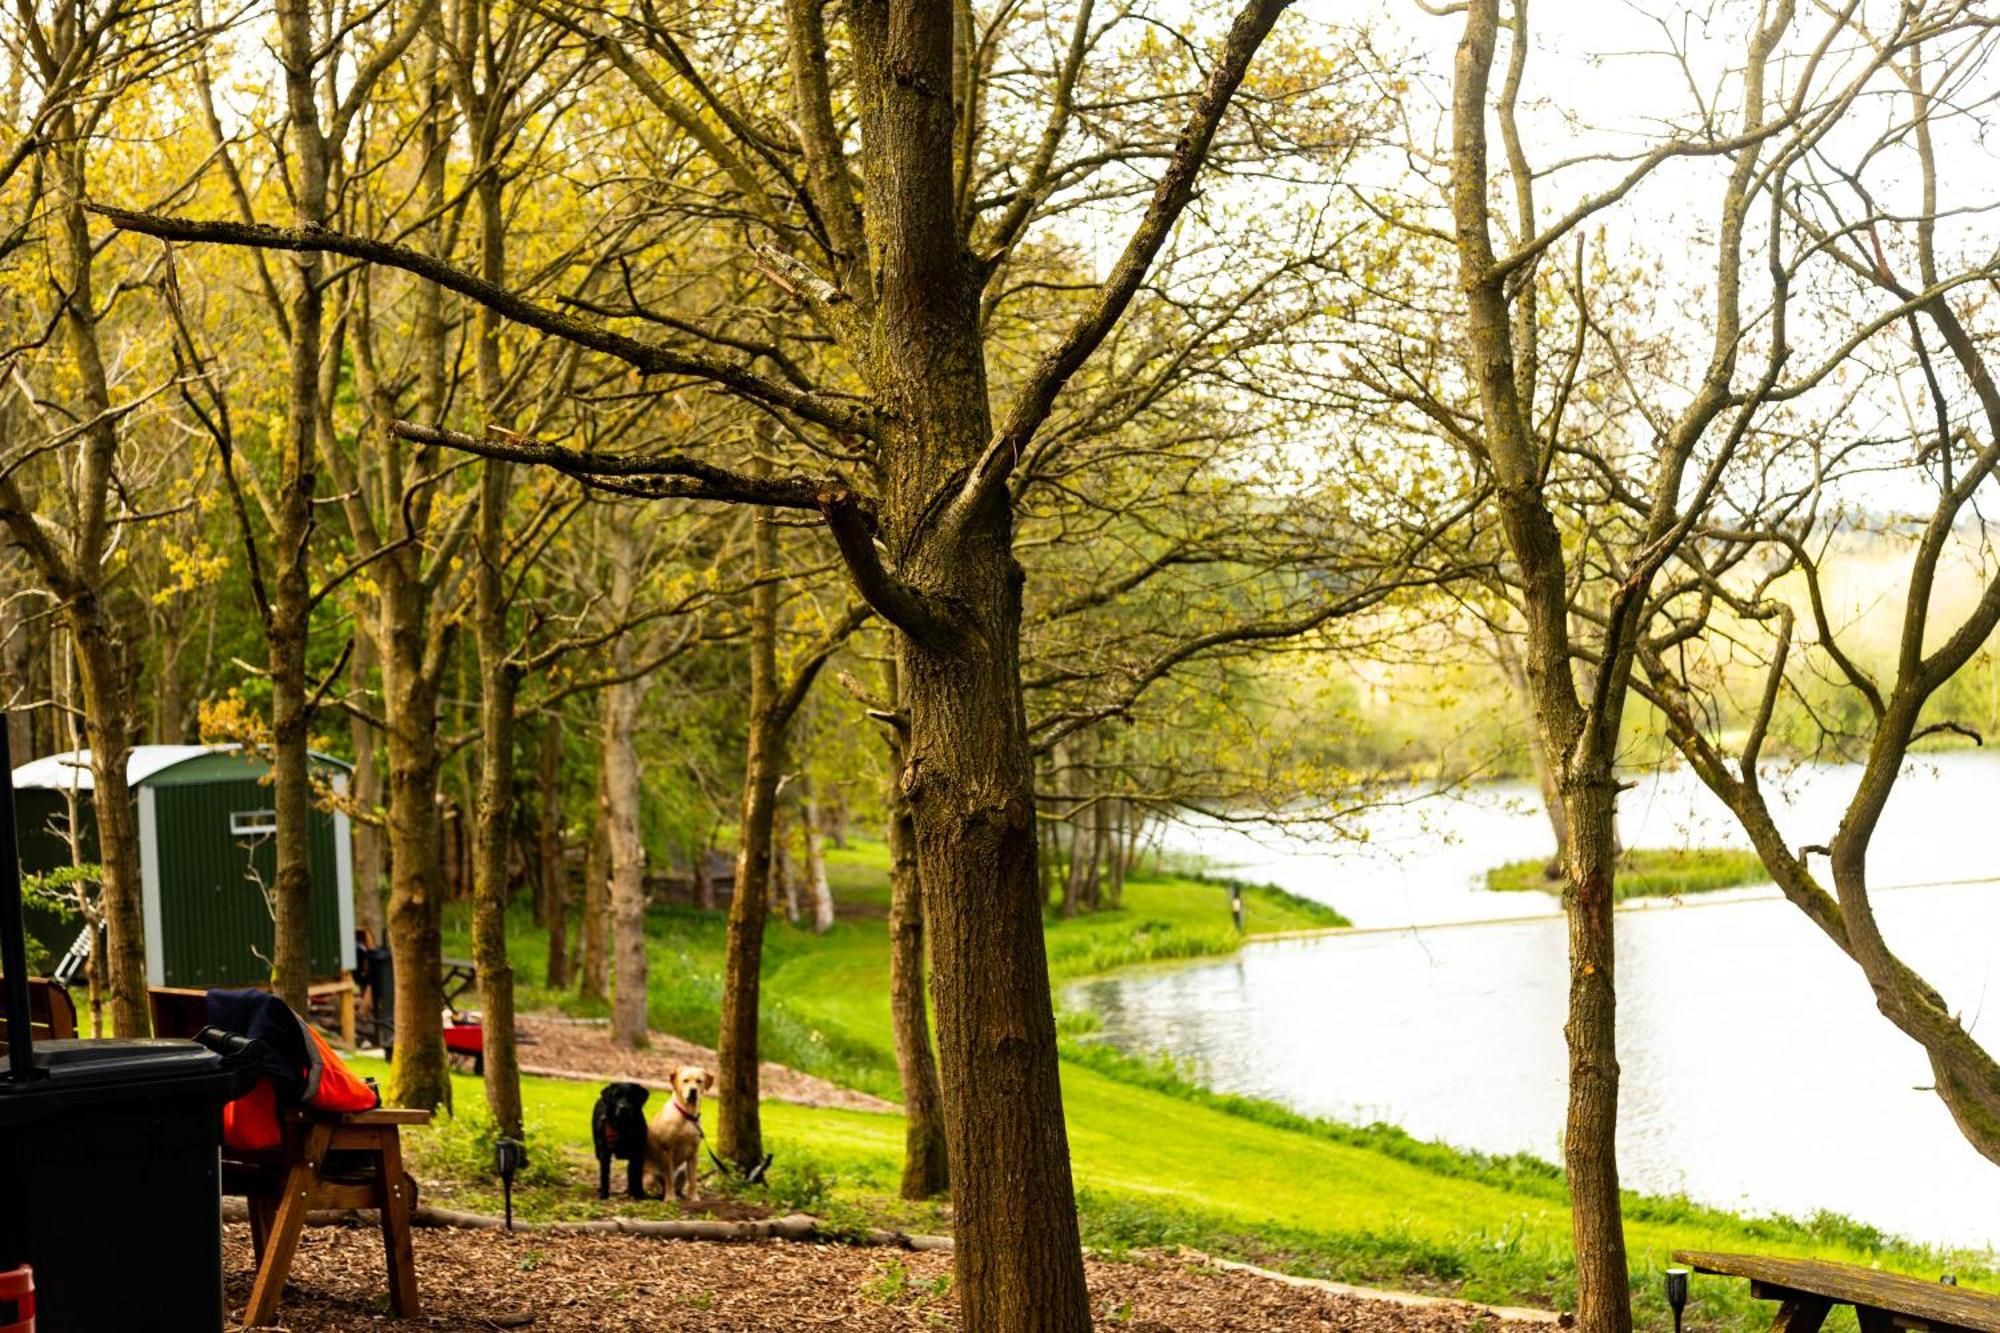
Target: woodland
<point x="649" y="440"/>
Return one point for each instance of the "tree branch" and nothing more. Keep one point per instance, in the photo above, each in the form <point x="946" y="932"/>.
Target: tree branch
<point x="657" y="476"/>
<point x="648" y="357"/>
<point x="902" y="604"/>
<point x="1176" y="188"/>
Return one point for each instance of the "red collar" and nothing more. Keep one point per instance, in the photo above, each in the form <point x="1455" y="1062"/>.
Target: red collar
<point x="685" y="1113"/>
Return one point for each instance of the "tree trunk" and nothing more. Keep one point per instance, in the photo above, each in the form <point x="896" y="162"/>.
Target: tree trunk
<point x="704" y="882"/>
<point x="291" y="789"/>
<point x="739" y="1130"/>
<point x="969" y="783"/>
<point x="75" y="577"/>
<point x="288" y="627"/>
<point x="105" y="727"/>
<point x="822" y="892"/>
<point x="969" y="777"/>
<point x="16" y="667"/>
<point x="628" y="864"/>
<point x="1100" y="851"/>
<point x="784" y="876"/>
<point x="1590" y="1134"/>
<point x="926" y="1165"/>
<point x="498" y="680"/>
<point x="416" y="879"/>
<point x="499" y="676"/>
<point x="594" y="964"/>
<point x="555" y="874"/>
<point x="366" y="797"/>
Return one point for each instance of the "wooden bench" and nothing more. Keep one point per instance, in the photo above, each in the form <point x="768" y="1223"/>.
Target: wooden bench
<point x="327" y="1161"/>
<point x="51" y="1013"/>
<point x="1806" y="1289"/>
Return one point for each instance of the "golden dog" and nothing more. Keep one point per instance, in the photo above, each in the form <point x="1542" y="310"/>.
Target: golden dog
<point x="673" y="1138"/>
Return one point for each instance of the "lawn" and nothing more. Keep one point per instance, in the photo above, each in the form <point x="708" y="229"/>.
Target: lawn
<point x="1649" y="873"/>
<point x="1157" y="1161"/>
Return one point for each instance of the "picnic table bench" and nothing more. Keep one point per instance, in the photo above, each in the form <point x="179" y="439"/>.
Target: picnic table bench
<point x="1806" y="1289"/>
<point x="351" y="1160"/>
<point x="327" y="1160"/>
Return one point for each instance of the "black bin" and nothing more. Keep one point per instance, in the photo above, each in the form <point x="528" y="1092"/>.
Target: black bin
<point x="110" y="1183"/>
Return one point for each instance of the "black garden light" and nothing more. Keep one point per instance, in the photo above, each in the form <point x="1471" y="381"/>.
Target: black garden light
<point x="509" y="1156"/>
<point x="1677" y="1293"/>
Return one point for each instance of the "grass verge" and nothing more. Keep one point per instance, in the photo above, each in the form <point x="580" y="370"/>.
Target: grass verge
<point x="1648" y="873"/>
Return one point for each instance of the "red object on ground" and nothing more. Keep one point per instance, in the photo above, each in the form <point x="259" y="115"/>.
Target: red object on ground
<point x="465" y="1038"/>
<point x="17" y="1287"/>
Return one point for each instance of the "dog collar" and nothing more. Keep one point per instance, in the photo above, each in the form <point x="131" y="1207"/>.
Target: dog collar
<point x="685" y="1113"/>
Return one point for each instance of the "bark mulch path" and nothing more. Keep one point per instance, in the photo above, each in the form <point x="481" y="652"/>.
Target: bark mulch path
<point x="565" y="1048"/>
<point x="477" y="1281"/>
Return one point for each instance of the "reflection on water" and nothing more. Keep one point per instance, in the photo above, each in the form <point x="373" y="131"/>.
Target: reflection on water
<point x="1758" y="1074"/>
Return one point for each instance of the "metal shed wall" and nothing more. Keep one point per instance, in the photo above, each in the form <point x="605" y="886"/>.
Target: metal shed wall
<point x="211" y="922"/>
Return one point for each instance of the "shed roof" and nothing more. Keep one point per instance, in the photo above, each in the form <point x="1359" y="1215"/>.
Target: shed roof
<point x="71" y="768"/>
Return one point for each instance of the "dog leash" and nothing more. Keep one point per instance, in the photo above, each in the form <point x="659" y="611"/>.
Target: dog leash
<point x="753" y="1176"/>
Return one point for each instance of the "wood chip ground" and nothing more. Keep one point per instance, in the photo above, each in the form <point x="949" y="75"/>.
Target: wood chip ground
<point x="478" y="1281"/>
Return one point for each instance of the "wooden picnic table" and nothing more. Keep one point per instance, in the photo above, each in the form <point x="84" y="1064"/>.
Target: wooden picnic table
<point x="327" y="1159"/>
<point x="1806" y="1289"/>
<point x="351" y="1160"/>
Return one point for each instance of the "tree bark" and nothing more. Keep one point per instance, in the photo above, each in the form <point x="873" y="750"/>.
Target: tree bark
<point x="739" y="1131"/>
<point x="107" y="728"/>
<point x="621" y="822"/>
<point x="555" y="873"/>
<point x="784" y="876"/>
<point x="815" y="848"/>
<point x="416" y="879"/>
<point x="76" y="578"/>
<point x="594" y="961"/>
<point x="1590" y="1133"/>
<point x="926" y="1163"/>
<point x="366" y="796"/>
<point x="499" y="674"/>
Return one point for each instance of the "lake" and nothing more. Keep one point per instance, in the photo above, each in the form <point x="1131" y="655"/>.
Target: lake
<point x="1758" y="1075"/>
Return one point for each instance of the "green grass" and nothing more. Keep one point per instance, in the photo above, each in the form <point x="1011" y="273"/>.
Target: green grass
<point x="1649" y="873"/>
<point x="1158" y="1159"/>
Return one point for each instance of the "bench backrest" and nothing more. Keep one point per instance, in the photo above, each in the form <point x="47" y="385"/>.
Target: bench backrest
<point x="177" y="1012"/>
<point x="51" y="1012"/>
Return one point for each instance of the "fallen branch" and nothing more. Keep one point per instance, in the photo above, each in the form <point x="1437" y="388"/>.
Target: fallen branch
<point x="793" y="1226"/>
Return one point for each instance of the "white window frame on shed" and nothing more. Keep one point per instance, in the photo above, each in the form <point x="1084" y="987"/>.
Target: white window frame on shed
<point x="252" y="823"/>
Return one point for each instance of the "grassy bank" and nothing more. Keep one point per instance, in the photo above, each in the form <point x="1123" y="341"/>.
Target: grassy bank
<point x="1158" y="1159"/>
<point x="1648" y="873"/>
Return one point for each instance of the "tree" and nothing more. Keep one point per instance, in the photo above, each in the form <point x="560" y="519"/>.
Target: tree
<point x="1581" y="660"/>
<point x="1896" y="309"/>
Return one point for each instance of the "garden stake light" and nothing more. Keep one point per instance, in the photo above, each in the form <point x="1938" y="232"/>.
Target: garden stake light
<point x="509" y="1156"/>
<point x="1677" y="1293"/>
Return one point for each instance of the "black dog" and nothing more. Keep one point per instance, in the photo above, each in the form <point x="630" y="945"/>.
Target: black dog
<point x="618" y="1128"/>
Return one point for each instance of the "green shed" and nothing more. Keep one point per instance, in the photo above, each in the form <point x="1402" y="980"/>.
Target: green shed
<point x="207" y="845"/>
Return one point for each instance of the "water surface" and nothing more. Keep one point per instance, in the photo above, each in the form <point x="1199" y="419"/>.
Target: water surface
<point x="1757" y="1073"/>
